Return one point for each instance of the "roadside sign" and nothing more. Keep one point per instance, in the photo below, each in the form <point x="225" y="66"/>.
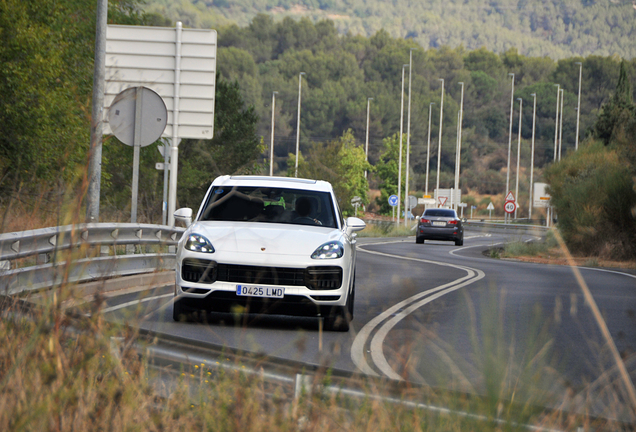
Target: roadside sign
<point x="490" y="207"/>
<point x="510" y="207"/>
<point x="412" y="202"/>
<point x="356" y="199"/>
<point x="442" y="200"/>
<point x="510" y="197"/>
<point x="426" y="201"/>
<point x="393" y="200"/>
<point x="540" y="198"/>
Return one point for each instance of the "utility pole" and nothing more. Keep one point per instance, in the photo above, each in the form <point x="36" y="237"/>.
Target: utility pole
<point x="97" y="114"/>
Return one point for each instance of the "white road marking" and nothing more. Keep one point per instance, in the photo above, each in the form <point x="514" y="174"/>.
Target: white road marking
<point x="401" y="310"/>
<point x="135" y="303"/>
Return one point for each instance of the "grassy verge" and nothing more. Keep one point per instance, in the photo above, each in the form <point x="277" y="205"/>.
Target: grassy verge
<point x="549" y="252"/>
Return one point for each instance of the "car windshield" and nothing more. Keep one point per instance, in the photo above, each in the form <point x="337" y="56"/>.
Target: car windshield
<point x="269" y="205"/>
<point x="440" y="212"/>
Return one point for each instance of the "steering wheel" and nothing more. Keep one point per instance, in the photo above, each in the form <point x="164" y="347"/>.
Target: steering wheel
<point x="305" y="220"/>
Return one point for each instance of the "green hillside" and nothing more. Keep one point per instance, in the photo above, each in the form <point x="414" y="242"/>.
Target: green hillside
<point x="538" y="28"/>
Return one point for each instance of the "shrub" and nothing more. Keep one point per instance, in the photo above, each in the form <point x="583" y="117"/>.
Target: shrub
<point x="593" y="193"/>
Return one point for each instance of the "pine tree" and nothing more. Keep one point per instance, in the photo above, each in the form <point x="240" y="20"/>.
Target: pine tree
<point x="618" y="114"/>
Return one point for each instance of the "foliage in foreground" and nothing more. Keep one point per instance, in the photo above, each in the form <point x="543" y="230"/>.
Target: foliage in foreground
<point x="84" y="374"/>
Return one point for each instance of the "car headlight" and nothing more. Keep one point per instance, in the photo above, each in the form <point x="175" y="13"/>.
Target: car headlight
<point x="198" y="243"/>
<point x="331" y="250"/>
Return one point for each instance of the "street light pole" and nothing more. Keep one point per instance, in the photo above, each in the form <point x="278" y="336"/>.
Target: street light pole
<point x="556" y="122"/>
<point x="512" y="99"/>
<point x="578" y="107"/>
<point x="458" y="151"/>
<point x="428" y="145"/>
<point x="561" y="125"/>
<point x="97" y="119"/>
<point x="271" y="144"/>
<point x="408" y="144"/>
<point x="439" y="146"/>
<point x="534" y="116"/>
<point x="298" y="124"/>
<point x="366" y="145"/>
<point x="518" y="157"/>
<point x="400" y="155"/>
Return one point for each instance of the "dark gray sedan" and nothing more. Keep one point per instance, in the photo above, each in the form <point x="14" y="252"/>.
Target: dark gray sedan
<point x="440" y="224"/>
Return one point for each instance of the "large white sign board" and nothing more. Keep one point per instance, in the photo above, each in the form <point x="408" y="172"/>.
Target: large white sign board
<point x="147" y="56"/>
<point x="540" y="198"/>
<point x="447" y="198"/>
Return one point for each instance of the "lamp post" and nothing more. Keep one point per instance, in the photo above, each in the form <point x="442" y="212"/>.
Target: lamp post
<point x="556" y="122"/>
<point x="400" y="155"/>
<point x="366" y="145"/>
<point x="512" y="99"/>
<point x="534" y="116"/>
<point x="561" y="125"/>
<point x="300" y="75"/>
<point x="408" y="143"/>
<point x="518" y="157"/>
<point x="578" y="107"/>
<point x="428" y="145"/>
<point x="271" y="144"/>
<point x="458" y="151"/>
<point x="439" y="147"/>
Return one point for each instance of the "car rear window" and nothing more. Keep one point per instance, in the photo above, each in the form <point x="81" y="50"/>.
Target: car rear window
<point x="269" y="205"/>
<point x="440" y="212"/>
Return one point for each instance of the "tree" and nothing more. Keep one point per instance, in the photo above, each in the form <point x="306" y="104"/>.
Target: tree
<point x="618" y="113"/>
<point x="46" y="70"/>
<point x="387" y="171"/>
<point x="342" y="163"/>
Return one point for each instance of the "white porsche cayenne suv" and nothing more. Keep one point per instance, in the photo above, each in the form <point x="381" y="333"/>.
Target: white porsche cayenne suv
<point x="268" y="245"/>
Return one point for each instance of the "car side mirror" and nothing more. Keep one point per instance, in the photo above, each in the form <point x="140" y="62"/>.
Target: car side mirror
<point x="354" y="224"/>
<point x="184" y="215"/>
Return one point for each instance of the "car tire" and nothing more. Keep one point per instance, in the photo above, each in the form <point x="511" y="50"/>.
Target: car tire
<point x="352" y="297"/>
<point x="338" y="319"/>
<point x="459" y="242"/>
<point x="419" y="240"/>
<point x="181" y="312"/>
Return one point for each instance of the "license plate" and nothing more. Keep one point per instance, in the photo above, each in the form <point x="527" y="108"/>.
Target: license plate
<point x="439" y="224"/>
<point x="259" y="291"/>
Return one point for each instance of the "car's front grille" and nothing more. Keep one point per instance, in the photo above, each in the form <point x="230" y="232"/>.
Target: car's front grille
<point x="260" y="275"/>
<point x="314" y="278"/>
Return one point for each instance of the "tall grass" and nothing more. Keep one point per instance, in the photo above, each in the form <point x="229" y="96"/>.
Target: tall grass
<point x="67" y="374"/>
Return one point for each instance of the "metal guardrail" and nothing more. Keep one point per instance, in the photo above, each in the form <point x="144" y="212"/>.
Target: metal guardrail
<point x="47" y="245"/>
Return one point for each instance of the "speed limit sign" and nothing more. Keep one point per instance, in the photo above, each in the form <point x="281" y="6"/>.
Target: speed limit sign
<point x="510" y="206"/>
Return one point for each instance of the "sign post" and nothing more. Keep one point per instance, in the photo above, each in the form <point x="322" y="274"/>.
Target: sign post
<point x="356" y="201"/>
<point x="490" y="208"/>
<point x="393" y="202"/>
<point x="179" y="65"/>
<point x="137" y="117"/>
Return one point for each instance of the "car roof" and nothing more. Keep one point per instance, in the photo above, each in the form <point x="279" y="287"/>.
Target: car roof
<point x="267" y="181"/>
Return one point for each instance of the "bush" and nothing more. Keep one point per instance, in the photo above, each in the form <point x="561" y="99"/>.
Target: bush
<point x="593" y="193"/>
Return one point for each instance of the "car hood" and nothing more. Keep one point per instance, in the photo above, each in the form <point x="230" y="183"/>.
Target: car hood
<point x="265" y="238"/>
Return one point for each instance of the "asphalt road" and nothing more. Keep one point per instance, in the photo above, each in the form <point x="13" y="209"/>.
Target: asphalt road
<point x="445" y="316"/>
